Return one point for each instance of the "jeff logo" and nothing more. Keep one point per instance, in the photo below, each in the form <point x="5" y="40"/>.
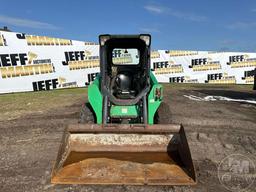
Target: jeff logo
<point x="167" y="67"/>
<point x="162" y="64"/>
<point x="204" y="64"/>
<point x="220" y="78"/>
<point x="117" y="53"/>
<point x="122" y="56"/>
<point x="249" y="77"/>
<point x="83" y="59"/>
<point x="45" y="85"/>
<point x="235" y="59"/>
<point x="22" y="64"/>
<point x="73" y="56"/>
<point x="238" y="61"/>
<point x="201" y="61"/>
<point x="215" y="76"/>
<point x="180" y="79"/>
<point x="76" y="60"/>
<point x="13" y="59"/>
<point x="50" y="84"/>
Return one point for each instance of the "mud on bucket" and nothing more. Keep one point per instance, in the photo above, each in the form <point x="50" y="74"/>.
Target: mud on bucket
<point x="124" y="154"/>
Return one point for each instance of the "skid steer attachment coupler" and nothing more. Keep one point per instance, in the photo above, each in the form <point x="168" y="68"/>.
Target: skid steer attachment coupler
<point x="124" y="154"/>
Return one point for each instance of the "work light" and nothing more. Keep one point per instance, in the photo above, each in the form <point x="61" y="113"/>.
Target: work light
<point x="146" y="38"/>
<point x="103" y="39"/>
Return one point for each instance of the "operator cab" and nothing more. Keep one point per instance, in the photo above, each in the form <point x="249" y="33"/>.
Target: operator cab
<point x="125" y="66"/>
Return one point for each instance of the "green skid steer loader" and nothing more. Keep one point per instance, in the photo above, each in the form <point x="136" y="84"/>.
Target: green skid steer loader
<point x="124" y="135"/>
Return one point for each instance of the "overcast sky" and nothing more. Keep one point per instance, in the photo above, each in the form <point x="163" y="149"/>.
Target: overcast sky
<point x="228" y="25"/>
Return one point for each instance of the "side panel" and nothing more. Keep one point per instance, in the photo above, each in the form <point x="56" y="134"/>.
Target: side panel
<point x="95" y="99"/>
<point x="153" y="100"/>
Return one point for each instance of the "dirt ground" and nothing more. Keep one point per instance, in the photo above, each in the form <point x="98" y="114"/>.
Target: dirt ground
<point x="32" y="124"/>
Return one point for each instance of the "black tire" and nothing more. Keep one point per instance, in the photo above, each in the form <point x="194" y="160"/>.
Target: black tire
<point x="87" y="115"/>
<point x="163" y="114"/>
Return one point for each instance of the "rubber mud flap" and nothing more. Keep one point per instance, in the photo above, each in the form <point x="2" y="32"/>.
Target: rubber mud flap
<point x="124" y="154"/>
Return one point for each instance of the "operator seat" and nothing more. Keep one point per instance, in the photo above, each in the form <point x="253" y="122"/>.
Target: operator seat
<point x="124" y="87"/>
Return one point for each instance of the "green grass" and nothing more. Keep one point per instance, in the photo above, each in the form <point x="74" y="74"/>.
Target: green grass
<point x="15" y="104"/>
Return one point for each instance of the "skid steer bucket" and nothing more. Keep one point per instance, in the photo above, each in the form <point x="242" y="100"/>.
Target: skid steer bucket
<point x="124" y="154"/>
